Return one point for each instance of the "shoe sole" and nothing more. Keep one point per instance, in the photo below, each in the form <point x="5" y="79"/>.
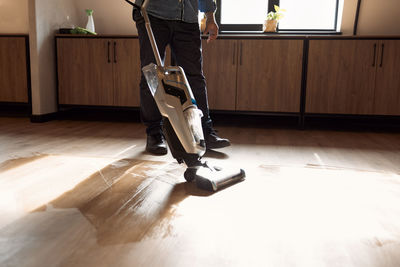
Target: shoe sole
<point x="158" y="152"/>
<point x="216" y="146"/>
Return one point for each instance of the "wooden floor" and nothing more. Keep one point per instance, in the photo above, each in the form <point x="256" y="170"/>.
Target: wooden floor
<point x="79" y="193"/>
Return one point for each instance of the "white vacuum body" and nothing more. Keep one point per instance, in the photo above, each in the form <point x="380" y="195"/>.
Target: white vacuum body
<point x="182" y="119"/>
<point x="176" y="102"/>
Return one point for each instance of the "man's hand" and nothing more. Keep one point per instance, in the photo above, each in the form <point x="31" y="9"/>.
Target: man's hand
<point x="211" y="27"/>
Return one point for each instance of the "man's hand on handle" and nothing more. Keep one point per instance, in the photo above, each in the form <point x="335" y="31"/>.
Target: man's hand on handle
<point x="211" y="27"/>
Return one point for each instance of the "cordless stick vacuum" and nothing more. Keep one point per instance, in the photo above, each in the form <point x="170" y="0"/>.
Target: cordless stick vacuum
<point x="182" y="119"/>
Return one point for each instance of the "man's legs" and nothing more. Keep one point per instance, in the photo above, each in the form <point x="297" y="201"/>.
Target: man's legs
<point x="186" y="46"/>
<point x="149" y="113"/>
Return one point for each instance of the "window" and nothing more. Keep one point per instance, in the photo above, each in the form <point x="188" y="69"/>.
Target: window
<point x="239" y="12"/>
<point x="300" y="15"/>
<point x="309" y="14"/>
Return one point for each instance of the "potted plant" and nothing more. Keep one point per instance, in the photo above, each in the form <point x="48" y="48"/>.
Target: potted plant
<point x="273" y="18"/>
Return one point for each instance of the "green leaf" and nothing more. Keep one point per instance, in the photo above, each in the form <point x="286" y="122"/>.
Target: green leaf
<point x="279" y="16"/>
<point x="271" y="15"/>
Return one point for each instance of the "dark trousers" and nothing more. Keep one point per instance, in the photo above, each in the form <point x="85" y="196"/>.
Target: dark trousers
<point x="185" y="43"/>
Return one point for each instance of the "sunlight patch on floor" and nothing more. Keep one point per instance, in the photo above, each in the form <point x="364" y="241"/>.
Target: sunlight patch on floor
<point x="315" y="203"/>
<point x="28" y="186"/>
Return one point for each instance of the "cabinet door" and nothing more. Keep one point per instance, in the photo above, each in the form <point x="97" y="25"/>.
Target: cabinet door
<point x="13" y="76"/>
<point x="127" y="72"/>
<point x="387" y="89"/>
<point x="269" y="75"/>
<point x="219" y="67"/>
<point x="341" y="76"/>
<point x="85" y="71"/>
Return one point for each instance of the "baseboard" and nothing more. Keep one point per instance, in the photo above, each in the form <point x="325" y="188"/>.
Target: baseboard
<point x="11" y="109"/>
<point x="234" y="118"/>
<point x="98" y="113"/>
<point x="43" y="117"/>
<point x="353" y="122"/>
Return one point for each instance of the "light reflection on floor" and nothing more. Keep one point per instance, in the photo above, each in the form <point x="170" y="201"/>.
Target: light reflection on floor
<point x="29" y="183"/>
<point x="79" y="193"/>
<point x="311" y="212"/>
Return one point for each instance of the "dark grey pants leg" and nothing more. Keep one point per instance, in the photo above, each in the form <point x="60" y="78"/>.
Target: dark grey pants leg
<point x="149" y="113"/>
<point x="186" y="47"/>
<point x="185" y="42"/>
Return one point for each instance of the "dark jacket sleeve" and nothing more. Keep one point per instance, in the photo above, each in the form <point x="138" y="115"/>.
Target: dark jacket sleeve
<point x="207" y="5"/>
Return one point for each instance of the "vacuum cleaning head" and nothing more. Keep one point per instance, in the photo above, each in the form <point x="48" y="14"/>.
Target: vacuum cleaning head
<point x="213" y="178"/>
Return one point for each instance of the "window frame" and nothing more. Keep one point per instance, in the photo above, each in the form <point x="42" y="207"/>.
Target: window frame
<point x="258" y="27"/>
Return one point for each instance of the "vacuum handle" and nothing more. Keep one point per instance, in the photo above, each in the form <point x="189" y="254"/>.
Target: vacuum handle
<point x="150" y="34"/>
<point x="143" y="10"/>
<point x="133" y="4"/>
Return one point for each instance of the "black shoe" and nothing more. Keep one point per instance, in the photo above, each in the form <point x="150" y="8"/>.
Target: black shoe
<point x="213" y="141"/>
<point x="156" y="144"/>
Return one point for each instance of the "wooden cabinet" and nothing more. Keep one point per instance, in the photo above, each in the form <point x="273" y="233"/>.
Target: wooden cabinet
<point x="269" y="75"/>
<point x="341" y="76"/>
<point x="220" y="67"/>
<point x="387" y="85"/>
<point x="85" y="72"/>
<point x="97" y="71"/>
<point x="13" y="70"/>
<point x="254" y="75"/>
<point x="344" y="75"/>
<point x="352" y="77"/>
<point x="127" y="72"/>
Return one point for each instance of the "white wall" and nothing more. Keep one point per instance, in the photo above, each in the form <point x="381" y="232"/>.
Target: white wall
<point x="379" y="17"/>
<point x="14" y="16"/>
<point x="349" y="12"/>
<point x="110" y="17"/>
<point x="45" y="18"/>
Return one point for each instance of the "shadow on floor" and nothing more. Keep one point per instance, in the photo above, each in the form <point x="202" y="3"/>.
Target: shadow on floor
<point x="129" y="200"/>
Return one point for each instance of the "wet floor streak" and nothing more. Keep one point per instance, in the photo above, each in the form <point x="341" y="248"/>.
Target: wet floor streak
<point x="17" y="162"/>
<point x="127" y="199"/>
<point x="125" y="202"/>
<point x="142" y="213"/>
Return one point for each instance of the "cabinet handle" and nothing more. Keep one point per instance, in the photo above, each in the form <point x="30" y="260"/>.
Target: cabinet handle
<point x="373" y="62"/>
<point x="241" y="52"/>
<point x="108" y="51"/>
<point x="234" y="53"/>
<point x="383" y="46"/>
<point x="115" y="52"/>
